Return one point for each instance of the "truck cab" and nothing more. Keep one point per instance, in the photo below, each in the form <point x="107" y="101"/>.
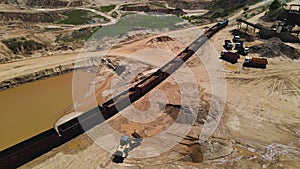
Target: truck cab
<point x="243" y="51"/>
<point x="247" y="59"/>
<point x="236" y="38"/>
<point x="223" y="22"/>
<point x="239" y="44"/>
<point x="246" y="50"/>
<point x="228" y="45"/>
<point x="223" y="52"/>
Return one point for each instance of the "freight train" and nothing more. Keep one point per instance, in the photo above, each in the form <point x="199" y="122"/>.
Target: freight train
<point x="26" y="151"/>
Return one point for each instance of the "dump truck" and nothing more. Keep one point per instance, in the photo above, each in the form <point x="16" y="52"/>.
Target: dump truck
<point x="255" y="62"/>
<point x="228" y="45"/>
<point x="243" y="51"/>
<point x="126" y="145"/>
<point x="229" y="56"/>
<point x="239" y="46"/>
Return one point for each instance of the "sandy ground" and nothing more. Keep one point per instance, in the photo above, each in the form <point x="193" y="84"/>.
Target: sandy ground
<point x="261" y="117"/>
<point x="152" y="122"/>
<point x="28" y="66"/>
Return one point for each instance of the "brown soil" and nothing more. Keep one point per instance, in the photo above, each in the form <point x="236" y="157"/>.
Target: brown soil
<point x="259" y="127"/>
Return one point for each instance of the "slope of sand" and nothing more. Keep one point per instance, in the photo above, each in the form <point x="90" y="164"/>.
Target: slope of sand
<point x="261" y="118"/>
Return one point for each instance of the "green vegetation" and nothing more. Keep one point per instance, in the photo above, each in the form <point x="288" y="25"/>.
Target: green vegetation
<point x="107" y="8"/>
<point x="218" y="13"/>
<point x="255" y="11"/>
<point x="78" y="35"/>
<point x="114" y="14"/>
<point x="223" y="10"/>
<point x="192" y="18"/>
<point x="22" y="45"/>
<point x="276" y="4"/>
<point x="75" y="17"/>
<point x="127" y="13"/>
<point x="131" y="22"/>
<point x="188" y="18"/>
<point x="264" y="8"/>
<point x="78" y="17"/>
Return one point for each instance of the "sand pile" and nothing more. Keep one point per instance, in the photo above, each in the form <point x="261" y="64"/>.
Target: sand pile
<point x="275" y="48"/>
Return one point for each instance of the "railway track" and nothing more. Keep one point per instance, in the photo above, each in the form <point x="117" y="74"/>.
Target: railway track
<point x="42" y="143"/>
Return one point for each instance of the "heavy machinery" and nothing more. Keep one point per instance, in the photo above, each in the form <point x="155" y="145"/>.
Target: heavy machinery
<point x="126" y="145"/>
<point x="44" y="142"/>
<point x="236" y="39"/>
<point x="243" y="51"/>
<point x="228" y="45"/>
<point x="229" y="56"/>
<point x="255" y="62"/>
<point x="239" y="46"/>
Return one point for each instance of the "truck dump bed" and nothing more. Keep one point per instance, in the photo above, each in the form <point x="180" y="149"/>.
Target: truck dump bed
<point x="262" y="61"/>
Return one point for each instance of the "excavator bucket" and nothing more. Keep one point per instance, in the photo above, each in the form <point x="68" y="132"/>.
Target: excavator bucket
<point x="136" y="135"/>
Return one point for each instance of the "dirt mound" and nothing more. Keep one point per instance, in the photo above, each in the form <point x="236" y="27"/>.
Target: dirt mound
<point x="29" y="16"/>
<point x="53" y="3"/>
<point x="10" y="2"/>
<point x="184" y="116"/>
<point x="22" y="45"/>
<point x="191" y="5"/>
<point x="160" y="39"/>
<point x="166" y="44"/>
<point x="275" y="48"/>
<point x="211" y="149"/>
<point x="148" y="8"/>
<point x="172" y="113"/>
<point x="56" y="3"/>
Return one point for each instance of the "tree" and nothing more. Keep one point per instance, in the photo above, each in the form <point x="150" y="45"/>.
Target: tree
<point x="276" y="4"/>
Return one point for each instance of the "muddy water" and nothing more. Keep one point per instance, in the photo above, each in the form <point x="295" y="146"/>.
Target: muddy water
<point x="33" y="108"/>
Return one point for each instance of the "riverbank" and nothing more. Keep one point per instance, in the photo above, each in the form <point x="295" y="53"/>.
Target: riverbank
<point x="18" y="73"/>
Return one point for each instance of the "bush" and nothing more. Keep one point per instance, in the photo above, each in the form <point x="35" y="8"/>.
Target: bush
<point x="187" y="18"/>
<point x="114" y="14"/>
<point x="78" y="35"/>
<point x="107" y="8"/>
<point x="21" y="45"/>
<point x="276" y="4"/>
<point x="78" y="17"/>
